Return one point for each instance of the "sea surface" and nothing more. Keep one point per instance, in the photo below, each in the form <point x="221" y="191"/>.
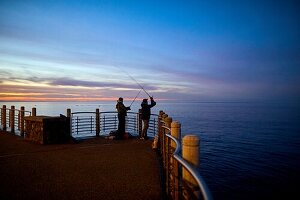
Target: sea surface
<point x="247" y="150"/>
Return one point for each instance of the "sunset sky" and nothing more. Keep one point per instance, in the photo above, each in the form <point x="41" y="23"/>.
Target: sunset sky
<point x="177" y="50"/>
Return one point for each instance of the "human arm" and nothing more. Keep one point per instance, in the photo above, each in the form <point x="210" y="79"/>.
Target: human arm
<point x="153" y="103"/>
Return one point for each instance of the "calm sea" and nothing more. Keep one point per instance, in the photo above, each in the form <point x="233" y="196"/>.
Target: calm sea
<point x="248" y="150"/>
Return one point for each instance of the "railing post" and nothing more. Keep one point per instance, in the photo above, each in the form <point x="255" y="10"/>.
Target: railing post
<point x="69" y="112"/>
<point x="176" y="133"/>
<point x="22" y="121"/>
<point x="163" y="144"/>
<point x="33" y="113"/>
<point x="159" y="124"/>
<point x="168" y="122"/>
<point x="19" y="118"/>
<point x="190" y="153"/>
<point x="69" y="116"/>
<point x="97" y="122"/>
<point x="12" y="119"/>
<point x="91" y="124"/>
<point x="104" y="123"/>
<point x="77" y="125"/>
<point x="3" y="117"/>
<point x="140" y="123"/>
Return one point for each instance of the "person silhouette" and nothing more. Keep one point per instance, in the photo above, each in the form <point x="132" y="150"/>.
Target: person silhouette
<point x="122" y="113"/>
<point x="145" y="115"/>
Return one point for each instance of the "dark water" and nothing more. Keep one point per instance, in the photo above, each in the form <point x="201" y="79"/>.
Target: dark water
<point x="248" y="150"/>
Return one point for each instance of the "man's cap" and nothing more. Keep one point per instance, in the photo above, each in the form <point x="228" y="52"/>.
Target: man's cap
<point x="120" y="99"/>
<point x="145" y="100"/>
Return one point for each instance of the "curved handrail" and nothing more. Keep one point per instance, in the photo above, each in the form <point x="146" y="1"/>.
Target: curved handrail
<point x="203" y="186"/>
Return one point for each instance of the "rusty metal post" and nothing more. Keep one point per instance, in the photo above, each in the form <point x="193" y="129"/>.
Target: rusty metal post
<point x="97" y="122"/>
<point x="12" y="119"/>
<point x="22" y="121"/>
<point x="175" y="132"/>
<point x="3" y="117"/>
<point x="160" y="131"/>
<point x="33" y="113"/>
<point x="69" y="113"/>
<point x="168" y="122"/>
<point x="69" y="116"/>
<point x="164" y="116"/>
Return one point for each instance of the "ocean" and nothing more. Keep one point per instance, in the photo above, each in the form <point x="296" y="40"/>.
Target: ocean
<point x="247" y="150"/>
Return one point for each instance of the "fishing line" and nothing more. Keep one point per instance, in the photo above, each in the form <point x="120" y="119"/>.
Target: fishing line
<point x="135" y="81"/>
<point x="135" y="97"/>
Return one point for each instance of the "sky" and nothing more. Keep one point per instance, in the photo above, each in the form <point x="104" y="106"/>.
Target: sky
<point x="69" y="50"/>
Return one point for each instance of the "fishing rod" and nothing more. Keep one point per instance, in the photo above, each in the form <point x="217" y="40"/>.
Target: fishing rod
<point x="136" y="82"/>
<point x="135" y="97"/>
<point x="139" y="85"/>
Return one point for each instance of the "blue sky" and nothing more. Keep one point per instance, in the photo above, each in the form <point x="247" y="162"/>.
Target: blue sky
<point x="178" y="50"/>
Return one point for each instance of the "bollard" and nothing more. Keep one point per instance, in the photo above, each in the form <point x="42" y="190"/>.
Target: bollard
<point x="69" y="113"/>
<point x="164" y="116"/>
<point x="97" y="122"/>
<point x="69" y="116"/>
<point x="175" y="132"/>
<point x="168" y="121"/>
<point x="3" y="117"/>
<point x="22" y="121"/>
<point x="160" y="131"/>
<point x="190" y="152"/>
<point x="33" y="113"/>
<point x="12" y="119"/>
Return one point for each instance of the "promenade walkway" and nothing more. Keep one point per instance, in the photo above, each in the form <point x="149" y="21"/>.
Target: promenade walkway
<point x="90" y="169"/>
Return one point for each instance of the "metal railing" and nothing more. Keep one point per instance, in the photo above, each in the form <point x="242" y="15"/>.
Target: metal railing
<point x="181" y="178"/>
<point x="12" y="120"/>
<point x="88" y="124"/>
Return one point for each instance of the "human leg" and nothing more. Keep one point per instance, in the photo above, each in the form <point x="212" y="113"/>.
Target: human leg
<point x="145" y="128"/>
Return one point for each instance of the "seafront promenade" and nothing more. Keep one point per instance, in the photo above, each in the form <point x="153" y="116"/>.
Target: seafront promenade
<point x="95" y="168"/>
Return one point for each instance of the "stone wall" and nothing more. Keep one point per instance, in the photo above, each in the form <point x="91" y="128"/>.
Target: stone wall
<point x="47" y="130"/>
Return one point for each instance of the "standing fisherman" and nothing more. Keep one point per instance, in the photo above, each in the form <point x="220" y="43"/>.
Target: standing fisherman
<point x="146" y="112"/>
<point x="122" y="113"/>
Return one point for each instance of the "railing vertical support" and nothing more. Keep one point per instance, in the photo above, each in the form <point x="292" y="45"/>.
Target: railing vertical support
<point x="168" y="122"/>
<point x="33" y="111"/>
<point x="190" y="152"/>
<point x="104" y="123"/>
<point x="91" y="124"/>
<point x="19" y="120"/>
<point x="160" y="131"/>
<point x="77" y="121"/>
<point x="3" y="117"/>
<point x="69" y="116"/>
<point x="140" y="123"/>
<point x="97" y="122"/>
<point x="22" y="121"/>
<point x="176" y="133"/>
<point x="12" y="119"/>
<point x="69" y="112"/>
<point x="163" y="137"/>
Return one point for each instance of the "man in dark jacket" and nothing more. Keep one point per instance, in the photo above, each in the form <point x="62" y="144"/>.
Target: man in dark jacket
<point x="146" y="112"/>
<point x="122" y="113"/>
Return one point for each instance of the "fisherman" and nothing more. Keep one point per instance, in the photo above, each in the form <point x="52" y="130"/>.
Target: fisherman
<point x="146" y="112"/>
<point x="122" y="113"/>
